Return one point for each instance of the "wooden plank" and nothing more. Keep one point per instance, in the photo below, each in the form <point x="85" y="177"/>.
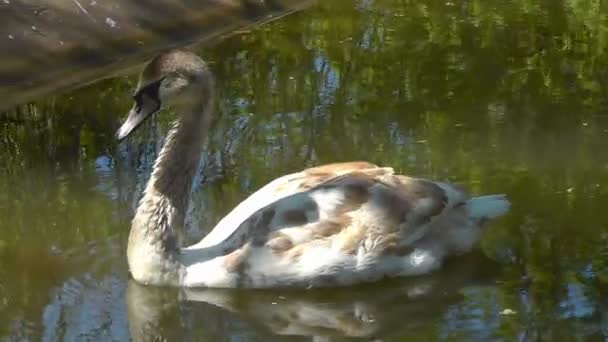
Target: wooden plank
<point x="56" y="44"/>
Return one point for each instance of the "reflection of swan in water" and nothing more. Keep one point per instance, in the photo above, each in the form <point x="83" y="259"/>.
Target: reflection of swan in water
<point x="369" y="311"/>
<point x="337" y="224"/>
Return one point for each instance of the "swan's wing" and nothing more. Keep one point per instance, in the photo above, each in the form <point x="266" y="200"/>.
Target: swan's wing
<point x="365" y="209"/>
<point x="277" y="189"/>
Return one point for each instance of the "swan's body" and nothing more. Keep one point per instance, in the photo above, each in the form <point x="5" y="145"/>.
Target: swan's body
<point x="332" y="225"/>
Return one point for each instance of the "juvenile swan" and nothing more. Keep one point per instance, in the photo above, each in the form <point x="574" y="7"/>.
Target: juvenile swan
<point x="331" y="225"/>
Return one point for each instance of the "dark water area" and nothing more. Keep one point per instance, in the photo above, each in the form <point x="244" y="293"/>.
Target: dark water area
<point x="499" y="96"/>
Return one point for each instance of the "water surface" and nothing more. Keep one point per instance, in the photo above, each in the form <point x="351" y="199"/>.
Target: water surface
<point x="499" y="96"/>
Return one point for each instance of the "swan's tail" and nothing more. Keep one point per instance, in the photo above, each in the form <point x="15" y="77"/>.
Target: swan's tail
<point x="484" y="208"/>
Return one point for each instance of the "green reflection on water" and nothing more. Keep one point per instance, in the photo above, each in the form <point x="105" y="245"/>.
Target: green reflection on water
<point x="498" y="96"/>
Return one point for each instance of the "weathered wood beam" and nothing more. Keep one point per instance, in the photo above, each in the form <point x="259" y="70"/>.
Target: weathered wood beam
<point x="52" y="45"/>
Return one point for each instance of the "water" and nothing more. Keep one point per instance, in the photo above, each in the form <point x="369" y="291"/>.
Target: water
<point x="500" y="96"/>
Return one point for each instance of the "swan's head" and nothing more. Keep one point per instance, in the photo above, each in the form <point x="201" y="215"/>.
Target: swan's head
<point x="177" y="79"/>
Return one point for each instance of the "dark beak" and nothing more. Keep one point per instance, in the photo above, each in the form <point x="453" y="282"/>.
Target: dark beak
<point x="144" y="107"/>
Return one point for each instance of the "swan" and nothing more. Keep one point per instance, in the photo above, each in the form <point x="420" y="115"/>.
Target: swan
<point x="331" y="225"/>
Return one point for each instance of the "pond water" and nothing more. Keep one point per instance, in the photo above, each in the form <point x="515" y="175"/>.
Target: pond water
<point x="499" y="96"/>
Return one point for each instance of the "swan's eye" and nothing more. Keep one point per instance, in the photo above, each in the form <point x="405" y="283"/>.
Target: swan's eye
<point x="150" y="90"/>
<point x="138" y="101"/>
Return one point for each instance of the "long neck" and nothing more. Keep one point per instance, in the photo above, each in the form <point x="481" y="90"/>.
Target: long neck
<point x="157" y="228"/>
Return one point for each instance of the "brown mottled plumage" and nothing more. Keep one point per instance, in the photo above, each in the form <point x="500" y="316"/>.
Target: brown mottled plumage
<point x="330" y="225"/>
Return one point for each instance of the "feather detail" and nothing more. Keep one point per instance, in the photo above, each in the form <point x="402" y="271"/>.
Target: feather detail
<point x="338" y="224"/>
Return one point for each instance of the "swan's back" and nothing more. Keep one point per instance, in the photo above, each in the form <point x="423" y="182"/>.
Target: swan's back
<point x="277" y="189"/>
<point x="338" y="224"/>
